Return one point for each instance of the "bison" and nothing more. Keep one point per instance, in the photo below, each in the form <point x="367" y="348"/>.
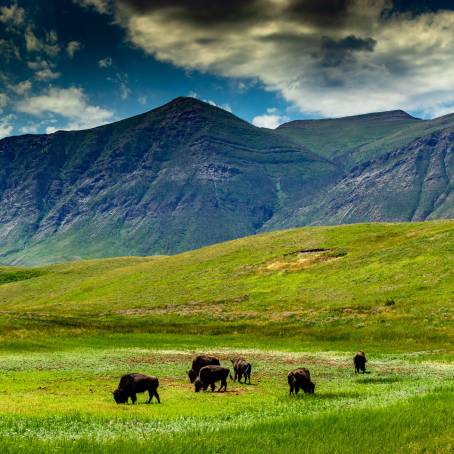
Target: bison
<point x="359" y="360"/>
<point x="241" y="367"/>
<point x="200" y="361"/>
<point x="131" y="384"/>
<point x="209" y="375"/>
<point x="300" y="379"/>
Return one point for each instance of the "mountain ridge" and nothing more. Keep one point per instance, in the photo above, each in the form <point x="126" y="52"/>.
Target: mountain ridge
<point x="189" y="174"/>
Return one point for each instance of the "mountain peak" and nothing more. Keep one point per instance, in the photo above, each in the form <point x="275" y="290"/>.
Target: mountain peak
<point x="187" y="102"/>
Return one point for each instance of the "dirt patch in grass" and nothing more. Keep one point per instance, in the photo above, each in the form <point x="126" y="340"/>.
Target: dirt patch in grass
<point x="302" y="260"/>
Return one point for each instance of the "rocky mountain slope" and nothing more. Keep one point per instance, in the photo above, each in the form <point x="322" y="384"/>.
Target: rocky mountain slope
<point x="176" y="178"/>
<point x="189" y="174"/>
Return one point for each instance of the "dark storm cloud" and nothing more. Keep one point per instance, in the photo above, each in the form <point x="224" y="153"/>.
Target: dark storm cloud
<point x="332" y="57"/>
<point x="203" y="12"/>
<point x="207" y="13"/>
<point x="335" y="52"/>
<point x="321" y="13"/>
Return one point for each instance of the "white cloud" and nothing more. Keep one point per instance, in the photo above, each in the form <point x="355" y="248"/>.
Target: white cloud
<point x="121" y="79"/>
<point x="47" y="74"/>
<point x="43" y="70"/>
<point x="3" y="101"/>
<point x="370" y="60"/>
<point x="12" y="16"/>
<point x="22" y="87"/>
<point x="142" y="99"/>
<point x="70" y="103"/>
<point x="271" y="119"/>
<point x="51" y="129"/>
<point x="221" y="106"/>
<point x="49" y="46"/>
<point x="102" y="6"/>
<point x="105" y="62"/>
<point x="9" y="51"/>
<point x="29" y="129"/>
<point x="5" y="127"/>
<point x="227" y="107"/>
<point x="73" y="47"/>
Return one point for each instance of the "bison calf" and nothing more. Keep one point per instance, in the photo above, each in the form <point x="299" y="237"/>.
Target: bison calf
<point x="131" y="384"/>
<point x="209" y="375"/>
<point x="241" y="367"/>
<point x="300" y="379"/>
<point x="360" y="361"/>
<point x="201" y="361"/>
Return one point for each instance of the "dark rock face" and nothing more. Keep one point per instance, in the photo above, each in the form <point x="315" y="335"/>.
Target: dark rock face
<point x="412" y="183"/>
<point x="188" y="174"/>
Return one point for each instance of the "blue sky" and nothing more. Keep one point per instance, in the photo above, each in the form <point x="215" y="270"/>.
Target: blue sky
<point x="72" y="64"/>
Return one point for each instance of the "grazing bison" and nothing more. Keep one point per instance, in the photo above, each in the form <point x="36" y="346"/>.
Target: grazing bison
<point x="209" y="375"/>
<point x="241" y="367"/>
<point x="131" y="384"/>
<point x="300" y="379"/>
<point x="360" y="361"/>
<point x="201" y="361"/>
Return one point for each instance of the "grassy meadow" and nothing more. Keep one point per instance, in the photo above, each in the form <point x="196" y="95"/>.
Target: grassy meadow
<point x="306" y="297"/>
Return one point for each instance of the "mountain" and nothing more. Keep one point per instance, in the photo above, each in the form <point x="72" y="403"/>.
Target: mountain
<point x="189" y="174"/>
<point x="181" y="176"/>
<point x="337" y="137"/>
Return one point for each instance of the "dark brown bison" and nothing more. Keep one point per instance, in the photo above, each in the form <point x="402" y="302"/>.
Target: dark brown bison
<point x="359" y="360"/>
<point x="201" y="361"/>
<point x="131" y="384"/>
<point x="300" y="379"/>
<point x="241" y="367"/>
<point x="209" y="375"/>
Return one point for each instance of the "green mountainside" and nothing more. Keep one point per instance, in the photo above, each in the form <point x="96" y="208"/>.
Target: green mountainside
<point x="189" y="174"/>
<point x="371" y="283"/>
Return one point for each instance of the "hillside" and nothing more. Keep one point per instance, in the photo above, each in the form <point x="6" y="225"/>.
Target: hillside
<point x="188" y="174"/>
<point x="378" y="284"/>
<point x="308" y="297"/>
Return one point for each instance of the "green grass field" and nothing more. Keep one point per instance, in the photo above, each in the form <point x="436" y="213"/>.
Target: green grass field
<point x="307" y="297"/>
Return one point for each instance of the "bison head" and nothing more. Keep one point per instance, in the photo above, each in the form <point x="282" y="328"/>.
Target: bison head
<point x="192" y="374"/>
<point x="120" y="396"/>
<point x="197" y="385"/>
<point x="309" y="388"/>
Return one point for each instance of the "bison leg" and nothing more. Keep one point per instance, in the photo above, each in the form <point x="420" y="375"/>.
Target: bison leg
<point x="297" y="389"/>
<point x="223" y="385"/>
<point x="213" y="387"/>
<point x="133" y="398"/>
<point x="152" y="392"/>
<point x="291" y="389"/>
<point x="157" y="396"/>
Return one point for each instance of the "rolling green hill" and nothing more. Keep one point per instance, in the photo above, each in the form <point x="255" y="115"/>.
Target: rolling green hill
<point x="373" y="283"/>
<point x="307" y="297"/>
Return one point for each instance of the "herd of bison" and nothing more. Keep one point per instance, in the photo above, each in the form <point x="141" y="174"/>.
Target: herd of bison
<point x="206" y="371"/>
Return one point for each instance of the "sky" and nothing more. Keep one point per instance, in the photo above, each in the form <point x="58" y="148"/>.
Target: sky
<point x="76" y="64"/>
